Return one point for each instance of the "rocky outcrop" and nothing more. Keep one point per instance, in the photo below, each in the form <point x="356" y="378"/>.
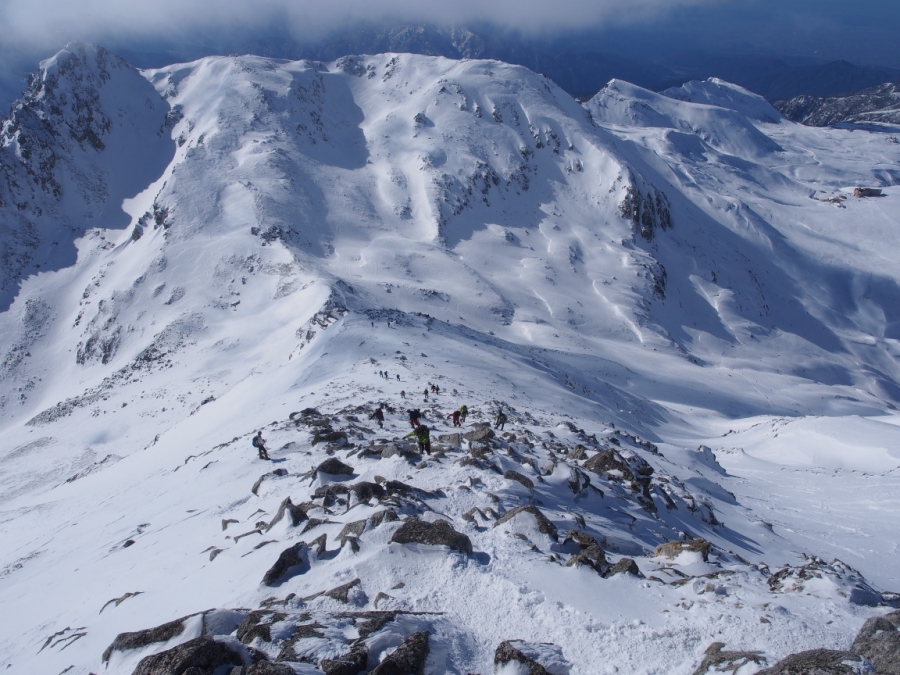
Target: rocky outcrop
<point x="352" y="663"/>
<point x="439" y="533"/>
<point x="200" y="656"/>
<point x="297" y="514"/>
<point x="292" y="560"/>
<point x="408" y="658"/>
<point x="624" y="566"/>
<point x="879" y="641"/>
<point x="543" y="523"/>
<point x="672" y="549"/>
<point x="335" y="467"/>
<point x="718" y="660"/>
<point x="142" y="638"/>
<point x="481" y="434"/>
<point x="529" y="658"/>
<point x="820" y="662"/>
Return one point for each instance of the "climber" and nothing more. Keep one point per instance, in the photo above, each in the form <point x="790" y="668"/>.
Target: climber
<point x="414" y="417"/>
<point x="421" y="434"/>
<point x="426" y="393"/>
<point x="463" y="413"/>
<point x="455" y="416"/>
<point x="260" y="445"/>
<point x="378" y="416"/>
<point x="500" y="421"/>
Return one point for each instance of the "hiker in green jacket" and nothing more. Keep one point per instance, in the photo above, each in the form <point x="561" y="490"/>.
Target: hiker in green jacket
<point x="422" y="436"/>
<point x="463" y="412"/>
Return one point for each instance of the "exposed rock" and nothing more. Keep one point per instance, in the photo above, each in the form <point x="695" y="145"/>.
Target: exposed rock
<point x="578" y="453"/>
<point x="579" y="480"/>
<point x="354" y="529"/>
<point x="408" y="658"/>
<point x="349" y="664"/>
<point x="672" y="549"/>
<point x="297" y="514"/>
<point x="313" y="523"/>
<point x="328" y="435"/>
<point x="385" y="516"/>
<point x="532" y="659"/>
<point x="854" y="586"/>
<point x="624" y="566"/>
<point x="335" y="467"/>
<point x="879" y="641"/>
<point x="257" y="624"/>
<point x="342" y="592"/>
<point x="544" y="524"/>
<point x="276" y="472"/>
<point x="365" y="491"/>
<point x="440" y="532"/>
<point x="519" y="478"/>
<point x="478" y="435"/>
<point x="267" y="668"/>
<point x="592" y="556"/>
<point x="297" y="556"/>
<point x="200" y="656"/>
<point x="610" y="462"/>
<point x="723" y="661"/>
<point x="453" y="439"/>
<point x="392" y="449"/>
<point x="820" y="662"/>
<point x="142" y="638"/>
<point x="318" y="544"/>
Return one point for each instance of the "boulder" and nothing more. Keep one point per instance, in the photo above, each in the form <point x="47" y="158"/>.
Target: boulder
<point x="142" y="638"/>
<point x="268" y="668"/>
<point x="349" y="664"/>
<point x="335" y="467"/>
<point x="721" y="661"/>
<point x="354" y="529"/>
<point x="820" y="662"/>
<point x="275" y="473"/>
<point x="632" y="467"/>
<point x="407" y="659"/>
<point x="544" y="524"/>
<point x="366" y="491"/>
<point x="342" y="592"/>
<point x="672" y="549"/>
<point x="392" y="449"/>
<point x="624" y="566"/>
<point x="879" y="641"/>
<point x="519" y="478"/>
<point x="440" y="533"/>
<point x="297" y="514"/>
<point x="328" y="435"/>
<point x="479" y="435"/>
<point x="200" y="656"/>
<point x="527" y="658"/>
<point x="297" y="556"/>
<point x="257" y="624"/>
<point x="452" y="439"/>
<point x="592" y="556"/>
<point x="385" y="516"/>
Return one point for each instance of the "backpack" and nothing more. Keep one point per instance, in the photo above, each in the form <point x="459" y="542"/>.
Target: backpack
<point x="256" y="441"/>
<point x="501" y="418"/>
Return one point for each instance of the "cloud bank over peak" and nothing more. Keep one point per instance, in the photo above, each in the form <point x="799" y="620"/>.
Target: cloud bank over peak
<point x="46" y="23"/>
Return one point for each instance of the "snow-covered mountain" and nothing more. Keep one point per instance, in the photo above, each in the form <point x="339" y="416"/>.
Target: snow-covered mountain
<point x="690" y="324"/>
<point x="876" y="105"/>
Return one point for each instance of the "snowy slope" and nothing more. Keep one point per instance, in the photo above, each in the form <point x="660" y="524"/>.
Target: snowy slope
<point x="630" y="280"/>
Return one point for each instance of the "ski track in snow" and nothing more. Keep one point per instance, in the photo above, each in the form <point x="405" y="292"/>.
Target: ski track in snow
<point x="644" y="271"/>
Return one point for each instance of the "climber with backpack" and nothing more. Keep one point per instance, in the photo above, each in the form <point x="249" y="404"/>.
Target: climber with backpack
<point x="378" y="416"/>
<point x="422" y="437"/>
<point x="455" y="416"/>
<point x="463" y="413"/>
<point x="500" y="421"/>
<point x="260" y="444"/>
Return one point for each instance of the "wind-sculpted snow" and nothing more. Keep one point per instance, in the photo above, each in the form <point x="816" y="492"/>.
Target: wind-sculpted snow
<point x="688" y="321"/>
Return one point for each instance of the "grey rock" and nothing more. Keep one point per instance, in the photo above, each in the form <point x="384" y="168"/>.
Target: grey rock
<point x="350" y="664"/>
<point x="453" y="439"/>
<point x="297" y="514"/>
<point x="879" y="641"/>
<point x="385" y="516"/>
<point x="408" y="659"/>
<point x="257" y="624"/>
<point x="366" y="491"/>
<point x="328" y="436"/>
<point x="200" y="656"/>
<point x="354" y="529"/>
<point x="544" y="524"/>
<point x="268" y="668"/>
<point x="294" y="557"/>
<point x="624" y="566"/>
<point x="721" y="660"/>
<point x="335" y="467"/>
<point x="275" y="473"/>
<point x="342" y="592"/>
<point x="519" y="478"/>
<point x="440" y="533"/>
<point x="508" y="652"/>
<point x="142" y="638"/>
<point x="592" y="556"/>
<point x="479" y="435"/>
<point x="672" y="549"/>
<point x="820" y="662"/>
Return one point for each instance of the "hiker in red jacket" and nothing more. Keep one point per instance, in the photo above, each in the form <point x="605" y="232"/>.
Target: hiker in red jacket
<point x="455" y="416"/>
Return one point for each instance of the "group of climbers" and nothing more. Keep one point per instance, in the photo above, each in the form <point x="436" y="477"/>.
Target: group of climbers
<point x="420" y="431"/>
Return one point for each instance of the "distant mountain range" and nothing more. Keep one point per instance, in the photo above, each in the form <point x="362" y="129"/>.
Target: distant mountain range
<point x="581" y="66"/>
<point x="875" y="105"/>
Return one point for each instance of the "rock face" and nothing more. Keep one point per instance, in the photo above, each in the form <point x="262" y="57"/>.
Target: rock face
<point x="479" y="435"/>
<point x="519" y="478"/>
<point x="544" y="524"/>
<point x="879" y="641"/>
<point x="439" y="533"/>
<point x="335" y="467"/>
<point x="295" y="556"/>
<point x="297" y="514"/>
<point x="407" y="658"/>
<point x="624" y="566"/>
<point x="267" y="668"/>
<point x="720" y="660"/>
<point x="671" y="549"/>
<point x="200" y="656"/>
<point x="142" y="638"/>
<point x="820" y="662"/>
<point x="530" y="659"/>
<point x="349" y="664"/>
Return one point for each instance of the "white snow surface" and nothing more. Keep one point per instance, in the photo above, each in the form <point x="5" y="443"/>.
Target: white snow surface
<point x="193" y="253"/>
